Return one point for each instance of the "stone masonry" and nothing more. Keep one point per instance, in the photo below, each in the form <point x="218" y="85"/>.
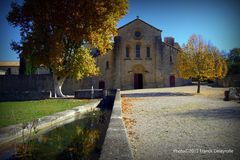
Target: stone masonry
<point x="139" y="59"/>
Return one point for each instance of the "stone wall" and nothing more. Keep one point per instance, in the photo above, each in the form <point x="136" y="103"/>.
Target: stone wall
<point x="229" y="81"/>
<point x="36" y="86"/>
<point x="156" y="69"/>
<point x="24" y="95"/>
<point x="133" y="65"/>
<point x="14" y="70"/>
<point x="89" y="94"/>
<point x="22" y="83"/>
<point x="116" y="145"/>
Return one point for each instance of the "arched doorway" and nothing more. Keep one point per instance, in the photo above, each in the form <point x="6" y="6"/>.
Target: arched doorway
<point x="138" y="81"/>
<point x="138" y="73"/>
<point x="172" y="81"/>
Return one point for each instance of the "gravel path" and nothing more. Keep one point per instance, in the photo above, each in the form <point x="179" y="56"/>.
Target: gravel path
<point x="174" y="123"/>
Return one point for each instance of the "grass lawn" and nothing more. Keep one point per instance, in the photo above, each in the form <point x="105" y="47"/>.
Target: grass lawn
<point x="25" y="111"/>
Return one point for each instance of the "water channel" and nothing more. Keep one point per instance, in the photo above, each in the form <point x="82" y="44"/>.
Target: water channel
<point x="80" y="139"/>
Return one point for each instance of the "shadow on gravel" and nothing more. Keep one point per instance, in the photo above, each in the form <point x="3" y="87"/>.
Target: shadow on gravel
<point x="220" y="113"/>
<point x="156" y="94"/>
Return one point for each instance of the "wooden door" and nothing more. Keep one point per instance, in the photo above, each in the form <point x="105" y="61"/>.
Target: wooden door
<point x="172" y="81"/>
<point x="138" y="81"/>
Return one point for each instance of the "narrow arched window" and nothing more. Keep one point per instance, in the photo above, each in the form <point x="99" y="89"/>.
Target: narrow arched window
<point x="138" y="50"/>
<point x="171" y="59"/>
<point x="127" y="52"/>
<point x="148" y="52"/>
<point x="107" y="65"/>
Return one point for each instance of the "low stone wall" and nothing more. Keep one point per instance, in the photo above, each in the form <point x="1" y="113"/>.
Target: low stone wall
<point x="13" y="83"/>
<point x="88" y="93"/>
<point x="12" y="132"/>
<point x="38" y="83"/>
<point x="24" y="95"/>
<point x="229" y="81"/>
<point x="116" y="145"/>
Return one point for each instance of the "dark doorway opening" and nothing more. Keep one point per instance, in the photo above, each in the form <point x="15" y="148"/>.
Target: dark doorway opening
<point x="172" y="81"/>
<point x="101" y="85"/>
<point x="9" y="71"/>
<point x="138" y="81"/>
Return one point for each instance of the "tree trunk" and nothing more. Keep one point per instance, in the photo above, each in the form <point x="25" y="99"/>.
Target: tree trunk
<point x="217" y="82"/>
<point x="198" y="86"/>
<point x="58" y="82"/>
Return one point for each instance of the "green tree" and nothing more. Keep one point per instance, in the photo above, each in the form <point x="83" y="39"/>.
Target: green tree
<point x="59" y="35"/>
<point x="200" y="61"/>
<point x="234" y="61"/>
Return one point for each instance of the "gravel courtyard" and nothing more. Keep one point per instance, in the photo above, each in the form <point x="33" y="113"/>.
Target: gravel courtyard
<point x="176" y="123"/>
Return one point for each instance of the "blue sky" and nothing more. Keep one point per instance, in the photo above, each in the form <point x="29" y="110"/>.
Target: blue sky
<point x="217" y="21"/>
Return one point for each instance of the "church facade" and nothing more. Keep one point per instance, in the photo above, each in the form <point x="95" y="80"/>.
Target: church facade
<point x="139" y="59"/>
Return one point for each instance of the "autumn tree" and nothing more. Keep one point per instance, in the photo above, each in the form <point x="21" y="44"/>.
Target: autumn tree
<point x="220" y="64"/>
<point x="200" y="61"/>
<point x="59" y="35"/>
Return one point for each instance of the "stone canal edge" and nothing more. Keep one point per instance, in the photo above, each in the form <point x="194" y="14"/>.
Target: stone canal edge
<point x="12" y="132"/>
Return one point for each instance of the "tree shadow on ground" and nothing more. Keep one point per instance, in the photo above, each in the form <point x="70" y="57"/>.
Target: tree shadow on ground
<point x="156" y="94"/>
<point x="217" y="113"/>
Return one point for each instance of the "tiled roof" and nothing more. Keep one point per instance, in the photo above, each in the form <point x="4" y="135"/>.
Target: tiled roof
<point x="10" y="64"/>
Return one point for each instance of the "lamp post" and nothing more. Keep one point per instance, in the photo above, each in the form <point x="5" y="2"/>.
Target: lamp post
<point x="92" y="90"/>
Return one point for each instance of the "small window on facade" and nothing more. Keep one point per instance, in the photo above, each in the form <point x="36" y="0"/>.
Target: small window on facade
<point x="127" y="52"/>
<point x="148" y="52"/>
<point x="170" y="59"/>
<point x="138" y="47"/>
<point x="107" y="65"/>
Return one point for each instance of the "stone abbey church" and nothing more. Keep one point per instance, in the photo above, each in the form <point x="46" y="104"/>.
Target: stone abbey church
<point x="139" y="59"/>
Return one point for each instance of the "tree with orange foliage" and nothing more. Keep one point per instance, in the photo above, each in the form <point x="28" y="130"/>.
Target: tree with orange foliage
<point x="200" y="61"/>
<point x="59" y="35"/>
<point x="220" y="69"/>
